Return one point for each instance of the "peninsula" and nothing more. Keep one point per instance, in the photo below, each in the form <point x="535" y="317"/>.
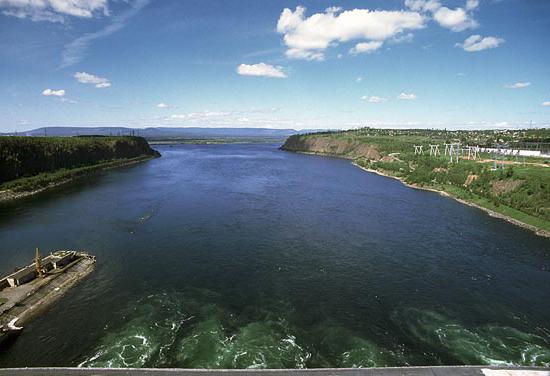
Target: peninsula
<point x="505" y="173"/>
<point x="29" y="165"/>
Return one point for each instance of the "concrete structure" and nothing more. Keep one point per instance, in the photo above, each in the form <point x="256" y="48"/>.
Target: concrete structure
<point x="26" y="301"/>
<point x="58" y="260"/>
<point x="390" y="371"/>
<point x="51" y="262"/>
<point x="515" y="152"/>
<point x="27" y="274"/>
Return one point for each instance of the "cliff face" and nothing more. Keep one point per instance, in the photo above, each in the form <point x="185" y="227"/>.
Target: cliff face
<point x="29" y="156"/>
<point x="323" y="144"/>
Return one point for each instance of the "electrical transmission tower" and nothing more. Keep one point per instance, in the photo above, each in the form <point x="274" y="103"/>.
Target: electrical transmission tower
<point x="454" y="152"/>
<point x="447" y="147"/>
<point x="434" y="150"/>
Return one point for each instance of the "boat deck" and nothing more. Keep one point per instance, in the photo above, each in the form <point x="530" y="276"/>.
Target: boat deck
<point x="27" y="300"/>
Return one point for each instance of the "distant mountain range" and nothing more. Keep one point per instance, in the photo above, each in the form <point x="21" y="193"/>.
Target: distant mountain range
<point x="164" y="132"/>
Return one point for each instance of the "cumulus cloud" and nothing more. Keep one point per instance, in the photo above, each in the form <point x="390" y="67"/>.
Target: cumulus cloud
<point x="75" y="50"/>
<point x="517" y="85"/>
<point x="53" y="10"/>
<point x="457" y="19"/>
<point x="545" y="104"/>
<point x="261" y="69"/>
<point x="423" y="5"/>
<point x="87" y="78"/>
<point x="308" y="37"/>
<point x="472" y="4"/>
<point x="53" y="93"/>
<point x="373" y="99"/>
<point x="365" y="47"/>
<point x="477" y="43"/>
<point x="407" y="97"/>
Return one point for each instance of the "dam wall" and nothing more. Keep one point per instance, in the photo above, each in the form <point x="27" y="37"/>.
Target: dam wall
<point x="390" y="371"/>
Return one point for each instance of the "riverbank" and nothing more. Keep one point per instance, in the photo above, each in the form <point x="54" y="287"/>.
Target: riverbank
<point x="25" y="187"/>
<point x="516" y="192"/>
<point x="491" y="212"/>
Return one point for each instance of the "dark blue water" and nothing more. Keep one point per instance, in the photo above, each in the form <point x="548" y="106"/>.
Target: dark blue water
<point x="247" y="256"/>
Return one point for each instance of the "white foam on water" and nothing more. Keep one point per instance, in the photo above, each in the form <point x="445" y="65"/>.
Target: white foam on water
<point x="518" y="372"/>
<point x="488" y="344"/>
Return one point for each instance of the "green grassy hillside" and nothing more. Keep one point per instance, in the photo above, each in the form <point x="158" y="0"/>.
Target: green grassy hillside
<point x="520" y="189"/>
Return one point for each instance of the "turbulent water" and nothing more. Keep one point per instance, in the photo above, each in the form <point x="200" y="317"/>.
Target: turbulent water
<point x="235" y="256"/>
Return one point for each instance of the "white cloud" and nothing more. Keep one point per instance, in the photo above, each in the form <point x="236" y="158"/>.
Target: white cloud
<point x="455" y="19"/>
<point x="87" y="78"/>
<point x="423" y="5"/>
<point x="67" y="100"/>
<point x="407" y="97"/>
<point x="75" y="50"/>
<point x="199" y="115"/>
<point x="298" y="54"/>
<point x="365" y="47"/>
<point x="545" y="104"/>
<point x="518" y="85"/>
<point x="472" y="4"/>
<point x="308" y="37"/>
<point x="53" y="10"/>
<point x="477" y="43"/>
<point x="374" y="99"/>
<point x="359" y="79"/>
<point x="405" y="38"/>
<point x="53" y="93"/>
<point x="162" y="105"/>
<point x="261" y="69"/>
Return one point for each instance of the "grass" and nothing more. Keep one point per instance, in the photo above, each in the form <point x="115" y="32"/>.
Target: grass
<point x="501" y="209"/>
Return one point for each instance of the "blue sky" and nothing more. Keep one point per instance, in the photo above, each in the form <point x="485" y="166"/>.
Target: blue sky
<point x="280" y="64"/>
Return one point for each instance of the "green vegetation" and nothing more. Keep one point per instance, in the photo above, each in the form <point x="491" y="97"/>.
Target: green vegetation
<point x="30" y="163"/>
<point x="519" y="189"/>
<point x="46" y="179"/>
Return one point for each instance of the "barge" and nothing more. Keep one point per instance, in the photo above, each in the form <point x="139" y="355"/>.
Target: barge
<point x="32" y="289"/>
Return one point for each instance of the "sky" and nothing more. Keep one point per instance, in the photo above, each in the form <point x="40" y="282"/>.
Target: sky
<point x="278" y="64"/>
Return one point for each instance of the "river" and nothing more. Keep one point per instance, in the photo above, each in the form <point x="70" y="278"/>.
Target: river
<point x="226" y="256"/>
